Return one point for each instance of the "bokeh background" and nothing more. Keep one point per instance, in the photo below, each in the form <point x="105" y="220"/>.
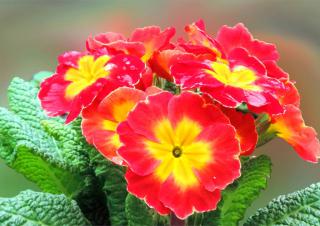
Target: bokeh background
<point x="33" y="33"/>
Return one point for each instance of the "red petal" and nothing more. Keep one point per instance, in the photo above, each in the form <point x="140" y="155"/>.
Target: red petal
<point x="191" y="74"/>
<point x="134" y="151"/>
<point x="147" y="113"/>
<point x="271" y="106"/>
<point x="162" y="61"/>
<point x="146" y="188"/>
<point x="152" y="90"/>
<point x="145" y="80"/>
<point x="200" y="42"/>
<point x="114" y="43"/>
<point x="241" y="57"/>
<point x="52" y="96"/>
<point x="290" y="95"/>
<point x="119" y="103"/>
<point x="225" y="152"/>
<point x="194" y="107"/>
<point x="100" y="120"/>
<point x="126" y="69"/>
<point x="239" y="37"/>
<point x="104" y="141"/>
<point x="274" y="71"/>
<point x="291" y="127"/>
<point x="226" y="96"/>
<point x="67" y="60"/>
<point x="185" y="202"/>
<point x="91" y="122"/>
<point x="245" y="129"/>
<point x="153" y="39"/>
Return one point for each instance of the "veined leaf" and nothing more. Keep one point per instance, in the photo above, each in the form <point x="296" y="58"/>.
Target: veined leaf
<point x="237" y="197"/>
<point x="36" y="208"/>
<point x="138" y="213"/>
<point x="114" y="186"/>
<point x="23" y="102"/>
<point x="49" y="153"/>
<point x="70" y="142"/>
<point x="14" y="130"/>
<point x="49" y="175"/>
<point x="298" y="208"/>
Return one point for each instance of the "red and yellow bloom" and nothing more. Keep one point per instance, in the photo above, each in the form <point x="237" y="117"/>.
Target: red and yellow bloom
<point x="81" y="77"/>
<point x="180" y="152"/>
<point x="230" y="74"/>
<point x="291" y="127"/>
<point x="100" y="122"/>
<point x="144" y="43"/>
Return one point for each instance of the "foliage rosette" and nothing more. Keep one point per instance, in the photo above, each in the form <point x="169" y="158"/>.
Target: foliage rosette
<point x="143" y="130"/>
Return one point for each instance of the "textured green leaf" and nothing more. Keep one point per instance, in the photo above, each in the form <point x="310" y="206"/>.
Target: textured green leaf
<point x="50" y="141"/>
<point x="298" y="208"/>
<point x="92" y="200"/>
<point x="50" y="176"/>
<point x="14" y="130"/>
<point x="237" y="197"/>
<point x="114" y="186"/>
<point x="70" y="142"/>
<point x="35" y="208"/>
<point x="138" y="213"/>
<point x="5" y="150"/>
<point x="48" y="152"/>
<point x="23" y="101"/>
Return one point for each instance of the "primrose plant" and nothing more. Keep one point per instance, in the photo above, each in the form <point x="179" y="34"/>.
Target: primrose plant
<point x="147" y="131"/>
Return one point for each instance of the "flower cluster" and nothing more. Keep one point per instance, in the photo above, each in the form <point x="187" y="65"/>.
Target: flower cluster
<point x="178" y="115"/>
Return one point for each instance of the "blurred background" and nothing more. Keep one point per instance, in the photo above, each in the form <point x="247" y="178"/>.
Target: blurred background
<point x="33" y="33"/>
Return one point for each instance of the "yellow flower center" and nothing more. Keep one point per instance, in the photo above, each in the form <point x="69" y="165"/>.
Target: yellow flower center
<point x="241" y="77"/>
<point x="88" y="72"/>
<point x="179" y="151"/>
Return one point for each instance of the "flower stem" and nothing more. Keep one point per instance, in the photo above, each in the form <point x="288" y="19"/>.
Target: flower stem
<point x="176" y="221"/>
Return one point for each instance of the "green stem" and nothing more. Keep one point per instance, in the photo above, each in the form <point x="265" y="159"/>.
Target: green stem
<point x="178" y="90"/>
<point x="197" y="219"/>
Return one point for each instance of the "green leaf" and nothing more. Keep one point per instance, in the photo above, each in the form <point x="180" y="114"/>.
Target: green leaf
<point x="114" y="186"/>
<point x="48" y="152"/>
<point x="298" y="208"/>
<point x="57" y="148"/>
<point x="138" y="213"/>
<point x="92" y="200"/>
<point x="23" y="101"/>
<point x="5" y="150"/>
<point x="14" y="130"/>
<point x="70" y="142"/>
<point x="237" y="197"/>
<point x="35" y="208"/>
<point x="50" y="176"/>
